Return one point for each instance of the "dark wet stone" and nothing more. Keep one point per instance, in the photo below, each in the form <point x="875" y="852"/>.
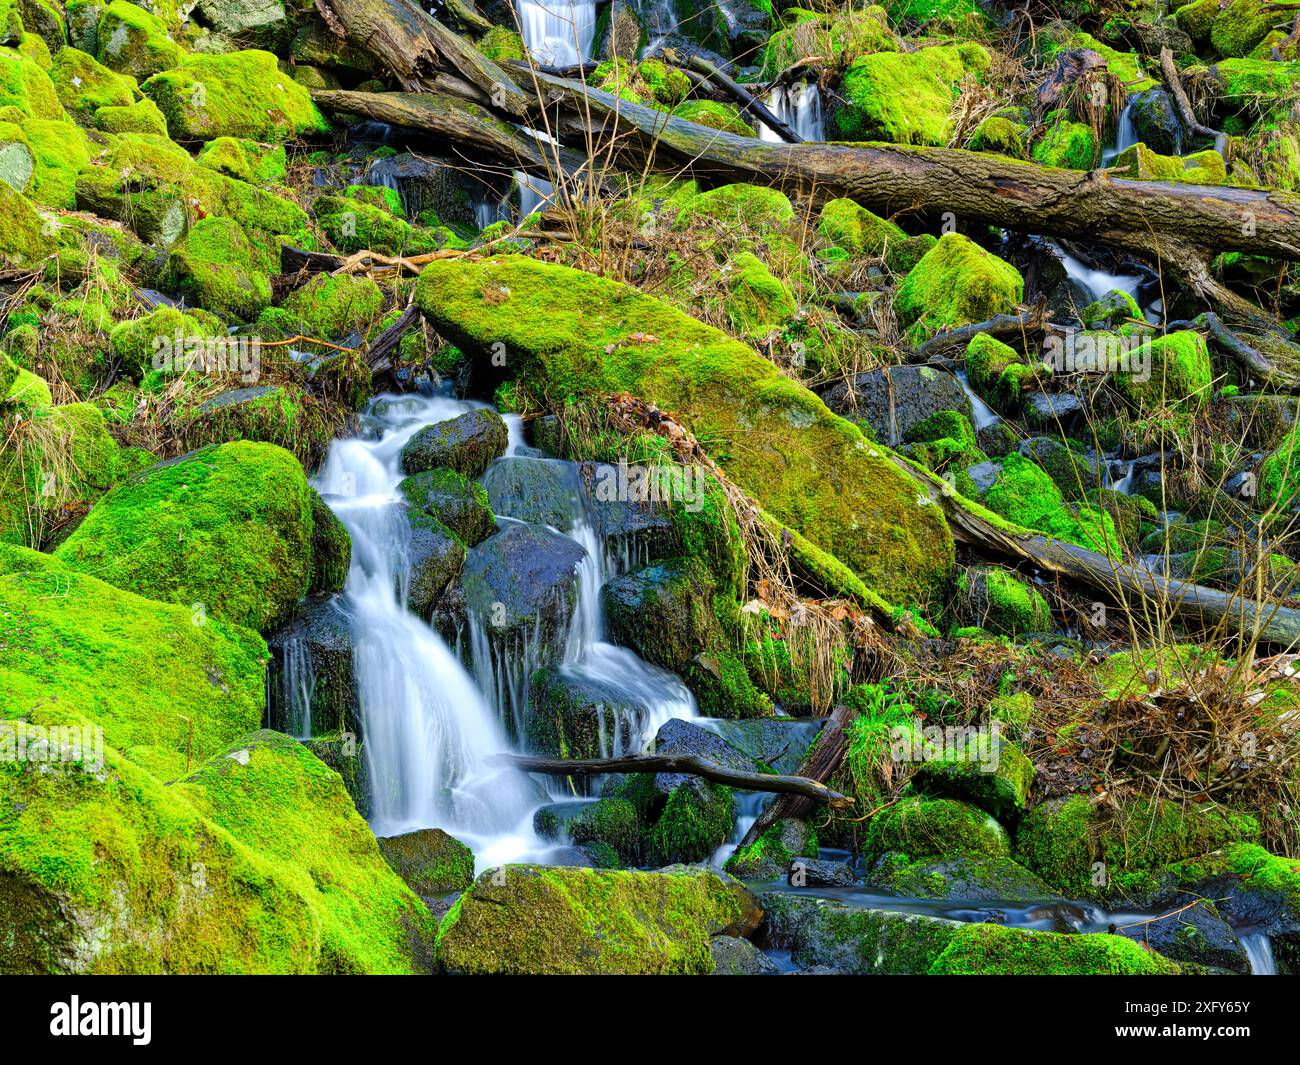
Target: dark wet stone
<point x="436" y="556"/>
<point x="814" y="872"/>
<point x="312" y="653"/>
<point x="918" y="392"/>
<point x="544" y="491"/>
<point x="466" y="444"/>
<point x="457" y="502"/>
<point x="733" y="956"/>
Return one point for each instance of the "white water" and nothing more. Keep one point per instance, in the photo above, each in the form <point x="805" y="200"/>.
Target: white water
<point x="799" y="106"/>
<point x="1124" y="483"/>
<point x="659" y="18"/>
<point x="981" y="413"/>
<point x="428" y="733"/>
<point x="1095" y="283"/>
<point x="1125" y="136"/>
<point x="557" y="32"/>
<point x="1259" y="949"/>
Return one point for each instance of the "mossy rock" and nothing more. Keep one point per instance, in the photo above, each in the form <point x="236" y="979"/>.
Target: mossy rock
<point x="1001" y="135"/>
<point x="936" y="828"/>
<point x="466" y="444"/>
<point x="999" y="601"/>
<point x="988" y="949"/>
<point x="838" y="38"/>
<point x="134" y="343"/>
<point x="696" y="820"/>
<point x="1180" y="372"/>
<point x="1240" y="26"/>
<point x="239" y="94"/>
<point x="248" y="161"/>
<point x="457" y="502"/>
<point x="855" y="229"/>
<point x="431" y="861"/>
<point x="663" y="611"/>
<point x="769" y="856"/>
<point x="1070" y="145"/>
<point x="986" y="769"/>
<point x="612" y="823"/>
<point x="132" y="41"/>
<point x="140" y="117"/>
<point x="964" y="877"/>
<point x="570" y="334"/>
<point x="1088" y="853"/>
<point x="554" y="921"/>
<point x="756" y="301"/>
<point x="216" y="268"/>
<point x="84" y="85"/>
<point x="1140" y="162"/>
<point x="715" y="115"/>
<point x="27" y="88"/>
<point x="331" y="306"/>
<point x="25" y="239"/>
<point x="906" y="97"/>
<point x="225" y="531"/>
<point x="956" y="283"/>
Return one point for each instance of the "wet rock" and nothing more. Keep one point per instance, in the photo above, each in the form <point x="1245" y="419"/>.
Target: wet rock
<point x="936" y="828"/>
<point x="466" y="444"/>
<point x="1054" y="410"/>
<point x="552" y="821"/>
<point x="779" y="743"/>
<point x="629" y="521"/>
<point x="1156" y="121"/>
<point x="663" y="612"/>
<point x="1196" y="935"/>
<point x="985" y="769"/>
<point x="769" y="856"/>
<point x="918" y="393"/>
<point x="733" y="956"/>
<point x="813" y="872"/>
<point x="997" y="600"/>
<point x="457" y="502"/>
<point x="697" y="819"/>
<point x="435" y="557"/>
<point x="430" y="860"/>
<point x="311" y="686"/>
<point x="962" y="877"/>
<point x="1073" y="472"/>
<point x="997" y="440"/>
<point x="543" y="491"/>
<point x="676" y="736"/>
<point x="523" y="580"/>
<point x="571" y="715"/>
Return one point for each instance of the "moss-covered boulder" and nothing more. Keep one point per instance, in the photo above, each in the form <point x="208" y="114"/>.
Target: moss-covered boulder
<point x="983" y="768"/>
<point x="216" y="268"/>
<point x="558" y="921"/>
<point x="255" y="862"/>
<point x="467" y="444"/>
<point x="27" y="88"/>
<point x="663" y="611"/>
<point x="239" y="94"/>
<point x="956" y="283"/>
<point x="920" y="827"/>
<point x="769" y="856"/>
<point x="24" y="237"/>
<point x="431" y="861"/>
<point x="84" y="85"/>
<point x="1202" y="168"/>
<point x="330" y="306"/>
<point x="1071" y="145"/>
<point x="226" y="531"/>
<point x="989" y="949"/>
<point x="906" y="97"/>
<point x="1240" y="26"/>
<point x="855" y="229"/>
<point x="457" y="502"/>
<point x="132" y="41"/>
<point x="568" y="334"/>
<point x="999" y="601"/>
<point x="1177" y="370"/>
<point x="695" y="821"/>
<point x="1086" y="851"/>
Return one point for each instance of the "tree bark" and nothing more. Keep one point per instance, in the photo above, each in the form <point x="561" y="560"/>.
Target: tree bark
<point x="1237" y="613"/>
<point x="811" y="791"/>
<point x="819" y="764"/>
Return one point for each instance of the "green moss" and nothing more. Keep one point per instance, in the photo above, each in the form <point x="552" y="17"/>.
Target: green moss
<point x="837" y="38"/>
<point x="1002" y="603"/>
<point x="612" y="822"/>
<point x="140" y="117"/>
<point x="753" y="207"/>
<point x="1240" y="26"/>
<point x="135" y="343"/>
<point x="430" y="861"/>
<point x="924" y="828"/>
<point x="1202" y="168"/>
<point x="1180" y="372"/>
<point x="1071" y="145"/>
<point x="226" y="531"/>
<point x="907" y="97"/>
<point x="956" y="283"/>
<point x="239" y="94"/>
<point x="502" y="44"/>
<point x="27" y="88"/>
<point x="715" y="115"/>
<point x="216" y="268"/>
<point x="769" y="856"/>
<point x="1087" y="853"/>
<point x="982" y="768"/>
<point x="756" y="301"/>
<point x="84" y="85"/>
<point x="132" y="41"/>
<point x="353" y="225"/>
<point x="1001" y="135"/>
<point x="857" y="230"/>
<point x="573" y="335"/>
<point x="244" y="159"/>
<point x="164" y="689"/>
<point x="989" y="949"/>
<point x="696" y="821"/>
<point x="552" y="921"/>
<point x="330" y="306"/>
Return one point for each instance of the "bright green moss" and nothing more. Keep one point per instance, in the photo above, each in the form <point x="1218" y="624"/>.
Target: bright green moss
<point x="1202" y="168"/>
<point x="1087" y="853"/>
<point x="502" y="44"/>
<point x="907" y="97"/>
<point x="159" y="684"/>
<point x="353" y="225"/>
<point x="244" y="159"/>
<point x="935" y="828"/>
<point x="227" y="531"/>
<point x="612" y="822"/>
<point x="1001" y="135"/>
<point x="553" y="921"/>
<point x="331" y="306"/>
<point x="1071" y="145"/>
<point x="1002" y="603"/>
<point x="756" y="301"/>
<point x="983" y="768"/>
<point x="1180" y="372"/>
<point x="855" y="229"/>
<point x="132" y="41"/>
<point x="1126" y="66"/>
<point x="769" y="856"/>
<point x="696" y="821"/>
<point x="956" y="283"/>
<point x="572" y="335"/>
<point x="58" y="151"/>
<point x="240" y="94"/>
<point x="989" y="950"/>
<point x="838" y="38"/>
<point x="216" y="268"/>
<point x="715" y="115"/>
<point x="1240" y="26"/>
<point x="140" y="117"/>
<point x="754" y="207"/>
<point x="25" y="239"/>
<point x="134" y="343"/>
<point x="84" y="85"/>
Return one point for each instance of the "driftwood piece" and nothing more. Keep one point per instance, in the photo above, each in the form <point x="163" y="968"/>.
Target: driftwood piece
<point x="380" y="353"/>
<point x="811" y="791"/>
<point x="819" y="764"/>
<point x="1000" y="325"/>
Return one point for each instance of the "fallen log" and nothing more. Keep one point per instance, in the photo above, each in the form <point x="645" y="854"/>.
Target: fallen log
<point x="811" y="790"/>
<point x="820" y="763"/>
<point x="1184" y="106"/>
<point x="1267" y="622"/>
<point x="1001" y="325"/>
<point x="380" y="353"/>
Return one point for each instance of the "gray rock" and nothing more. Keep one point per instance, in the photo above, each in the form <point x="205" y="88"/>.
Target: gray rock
<point x="814" y="872"/>
<point x="661" y="611"/>
<point x="918" y="392"/>
<point x="457" y="502"/>
<point x="676" y="736"/>
<point x="1052" y="409"/>
<point x="435" y="557"/>
<point x="236" y="16"/>
<point x="1195" y="935"/>
<point x="466" y="444"/>
<point x="311" y="686"/>
<point x="776" y="742"/>
<point x="544" y="491"/>
<point x="962" y="877"/>
<point x="642" y="528"/>
<point x="1156" y="121"/>
<point x="733" y="956"/>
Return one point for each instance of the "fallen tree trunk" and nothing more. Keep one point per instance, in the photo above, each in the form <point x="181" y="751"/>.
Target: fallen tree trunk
<point x="380" y="353"/>
<point x="1268" y="622"/>
<point x="819" y="764"/>
<point x="811" y="791"/>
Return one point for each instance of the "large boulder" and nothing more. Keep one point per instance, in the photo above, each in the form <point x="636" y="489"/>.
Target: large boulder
<point x="226" y="531"/>
<point x="254" y="862"/>
<point x="457" y="502"/>
<point x="431" y="861"/>
<point x="570" y="334"/>
<point x="663" y="612"/>
<point x="311" y="684"/>
<point x="239" y="94"/>
<point x="435" y="556"/>
<point x="466" y="444"/>
<point x="545" y="491"/>
<point x="564" y="921"/>
<point x="956" y="283"/>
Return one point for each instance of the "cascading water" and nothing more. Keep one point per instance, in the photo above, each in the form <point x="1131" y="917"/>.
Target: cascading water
<point x="799" y="106"/>
<point x="428" y="734"/>
<point x="981" y="413"/>
<point x="1259" y="949"/>
<point x="1125" y="135"/>
<point x="659" y="19"/>
<point x="1095" y="283"/>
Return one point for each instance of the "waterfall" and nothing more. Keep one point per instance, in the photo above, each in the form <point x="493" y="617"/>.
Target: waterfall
<point x="799" y="106"/>
<point x="981" y="413"/>
<point x="1259" y="949"/>
<point x="428" y="733"/>
<point x="1123" y="484"/>
<point x="294" y="679"/>
<point x="1125" y="135"/>
<point x="659" y="18"/>
<point x="1094" y="283"/>
<point x="557" y="32"/>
